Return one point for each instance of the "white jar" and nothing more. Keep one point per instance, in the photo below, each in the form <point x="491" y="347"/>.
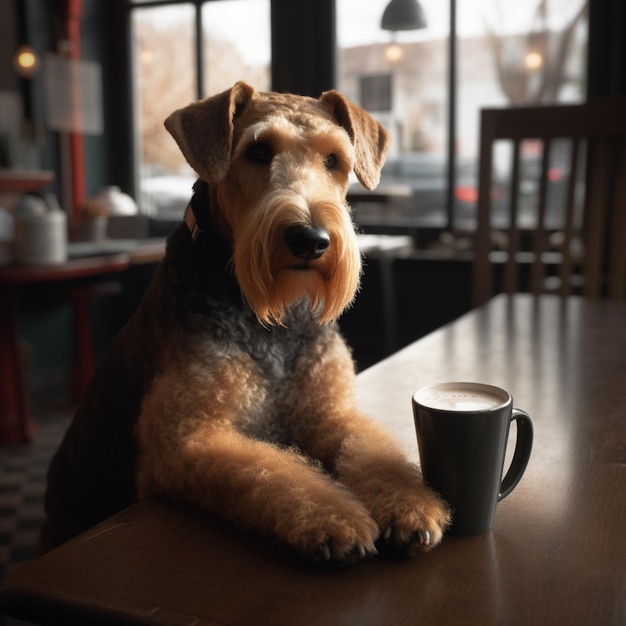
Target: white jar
<point x="41" y="239"/>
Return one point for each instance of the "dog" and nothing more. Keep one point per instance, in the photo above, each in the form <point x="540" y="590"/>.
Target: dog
<point x="231" y="388"/>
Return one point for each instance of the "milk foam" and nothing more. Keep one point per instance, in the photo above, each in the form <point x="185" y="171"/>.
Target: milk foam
<point x="459" y="399"/>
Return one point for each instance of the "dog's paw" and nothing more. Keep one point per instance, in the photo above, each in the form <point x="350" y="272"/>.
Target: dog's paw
<point x="412" y="522"/>
<point x="326" y="554"/>
<point x="341" y="536"/>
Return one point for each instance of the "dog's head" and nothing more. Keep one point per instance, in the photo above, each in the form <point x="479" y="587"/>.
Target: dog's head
<point x="277" y="166"/>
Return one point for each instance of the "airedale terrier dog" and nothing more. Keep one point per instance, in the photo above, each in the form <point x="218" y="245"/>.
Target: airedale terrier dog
<point x="231" y="388"/>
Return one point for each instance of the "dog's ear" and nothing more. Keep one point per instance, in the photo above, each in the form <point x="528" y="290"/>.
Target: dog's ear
<point x="203" y="130"/>
<point x="369" y="137"/>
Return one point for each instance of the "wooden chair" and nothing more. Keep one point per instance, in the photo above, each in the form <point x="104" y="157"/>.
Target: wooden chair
<point x="589" y="245"/>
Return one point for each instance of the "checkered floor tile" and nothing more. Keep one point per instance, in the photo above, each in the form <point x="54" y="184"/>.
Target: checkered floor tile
<point x="22" y="485"/>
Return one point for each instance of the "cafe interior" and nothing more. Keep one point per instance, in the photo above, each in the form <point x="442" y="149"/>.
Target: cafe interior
<point x="506" y="174"/>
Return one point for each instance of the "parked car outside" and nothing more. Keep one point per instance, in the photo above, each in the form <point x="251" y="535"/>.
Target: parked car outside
<point x="424" y="176"/>
<point x="164" y="195"/>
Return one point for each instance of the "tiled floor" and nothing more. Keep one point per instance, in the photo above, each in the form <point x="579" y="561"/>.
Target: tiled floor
<point x="22" y="484"/>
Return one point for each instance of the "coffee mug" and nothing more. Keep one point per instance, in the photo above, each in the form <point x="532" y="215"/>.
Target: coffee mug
<point x="462" y="433"/>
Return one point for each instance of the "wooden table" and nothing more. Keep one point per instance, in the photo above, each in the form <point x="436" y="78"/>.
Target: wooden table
<point x="92" y="262"/>
<point x="556" y="555"/>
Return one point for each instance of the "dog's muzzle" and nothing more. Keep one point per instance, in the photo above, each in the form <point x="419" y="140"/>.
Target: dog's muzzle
<point x="307" y="242"/>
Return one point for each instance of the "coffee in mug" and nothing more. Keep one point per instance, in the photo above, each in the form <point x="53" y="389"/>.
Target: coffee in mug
<point x="462" y="433"/>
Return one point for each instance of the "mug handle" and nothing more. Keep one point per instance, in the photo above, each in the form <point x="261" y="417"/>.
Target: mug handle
<point x="523" y="446"/>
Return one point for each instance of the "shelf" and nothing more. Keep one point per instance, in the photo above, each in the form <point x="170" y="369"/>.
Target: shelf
<point x="24" y="181"/>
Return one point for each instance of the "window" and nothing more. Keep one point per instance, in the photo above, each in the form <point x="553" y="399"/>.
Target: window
<point x="164" y="79"/>
<point x="506" y="53"/>
<point x="237" y="44"/>
<point x="170" y="70"/>
<point x="520" y="54"/>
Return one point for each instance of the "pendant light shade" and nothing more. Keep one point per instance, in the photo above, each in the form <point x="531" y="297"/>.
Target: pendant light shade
<point x="403" y="15"/>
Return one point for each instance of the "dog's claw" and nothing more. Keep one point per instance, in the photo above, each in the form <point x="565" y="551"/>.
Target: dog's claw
<point x="361" y="552"/>
<point x="416" y="542"/>
<point x="358" y="552"/>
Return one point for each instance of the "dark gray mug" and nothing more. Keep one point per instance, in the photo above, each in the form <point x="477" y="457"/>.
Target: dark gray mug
<point x="462" y="432"/>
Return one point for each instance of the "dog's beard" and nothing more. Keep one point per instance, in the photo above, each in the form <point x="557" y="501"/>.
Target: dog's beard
<point x="271" y="279"/>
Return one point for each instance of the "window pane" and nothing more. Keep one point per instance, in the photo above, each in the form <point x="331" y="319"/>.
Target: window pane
<point x="401" y="79"/>
<point x="164" y="64"/>
<point x="520" y="54"/>
<point x="507" y="54"/>
<point x="236" y="44"/>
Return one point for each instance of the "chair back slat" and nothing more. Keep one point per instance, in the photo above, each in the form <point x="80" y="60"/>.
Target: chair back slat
<point x="566" y="267"/>
<point x="483" y="280"/>
<point x="595" y="218"/>
<point x="539" y="234"/>
<point x="511" y="277"/>
<point x="617" y="274"/>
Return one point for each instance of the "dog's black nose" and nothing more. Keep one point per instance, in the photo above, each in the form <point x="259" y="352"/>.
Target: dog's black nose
<point x="307" y="242"/>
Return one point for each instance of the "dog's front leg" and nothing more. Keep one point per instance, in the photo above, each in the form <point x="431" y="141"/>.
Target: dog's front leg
<point x="364" y="457"/>
<point x="369" y="462"/>
<point x="411" y="517"/>
<point x="202" y="459"/>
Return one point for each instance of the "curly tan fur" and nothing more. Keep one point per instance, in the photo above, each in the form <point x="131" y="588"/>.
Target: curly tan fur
<point x="230" y="388"/>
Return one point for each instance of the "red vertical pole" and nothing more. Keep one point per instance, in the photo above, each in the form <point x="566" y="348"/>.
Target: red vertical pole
<point x="72" y="13"/>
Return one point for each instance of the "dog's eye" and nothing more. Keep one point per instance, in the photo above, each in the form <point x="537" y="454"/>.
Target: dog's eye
<point x="331" y="162"/>
<point x="260" y="153"/>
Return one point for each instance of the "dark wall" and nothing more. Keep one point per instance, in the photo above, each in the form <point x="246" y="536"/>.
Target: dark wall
<point x="110" y="155"/>
<point x="9" y="42"/>
<point x="303" y="46"/>
<point x="607" y="48"/>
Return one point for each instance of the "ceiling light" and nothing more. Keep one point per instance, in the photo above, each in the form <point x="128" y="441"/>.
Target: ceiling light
<point x="403" y="15"/>
<point x="26" y="62"/>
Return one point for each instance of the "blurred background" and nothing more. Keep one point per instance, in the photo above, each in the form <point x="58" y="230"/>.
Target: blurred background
<point x="85" y="87"/>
